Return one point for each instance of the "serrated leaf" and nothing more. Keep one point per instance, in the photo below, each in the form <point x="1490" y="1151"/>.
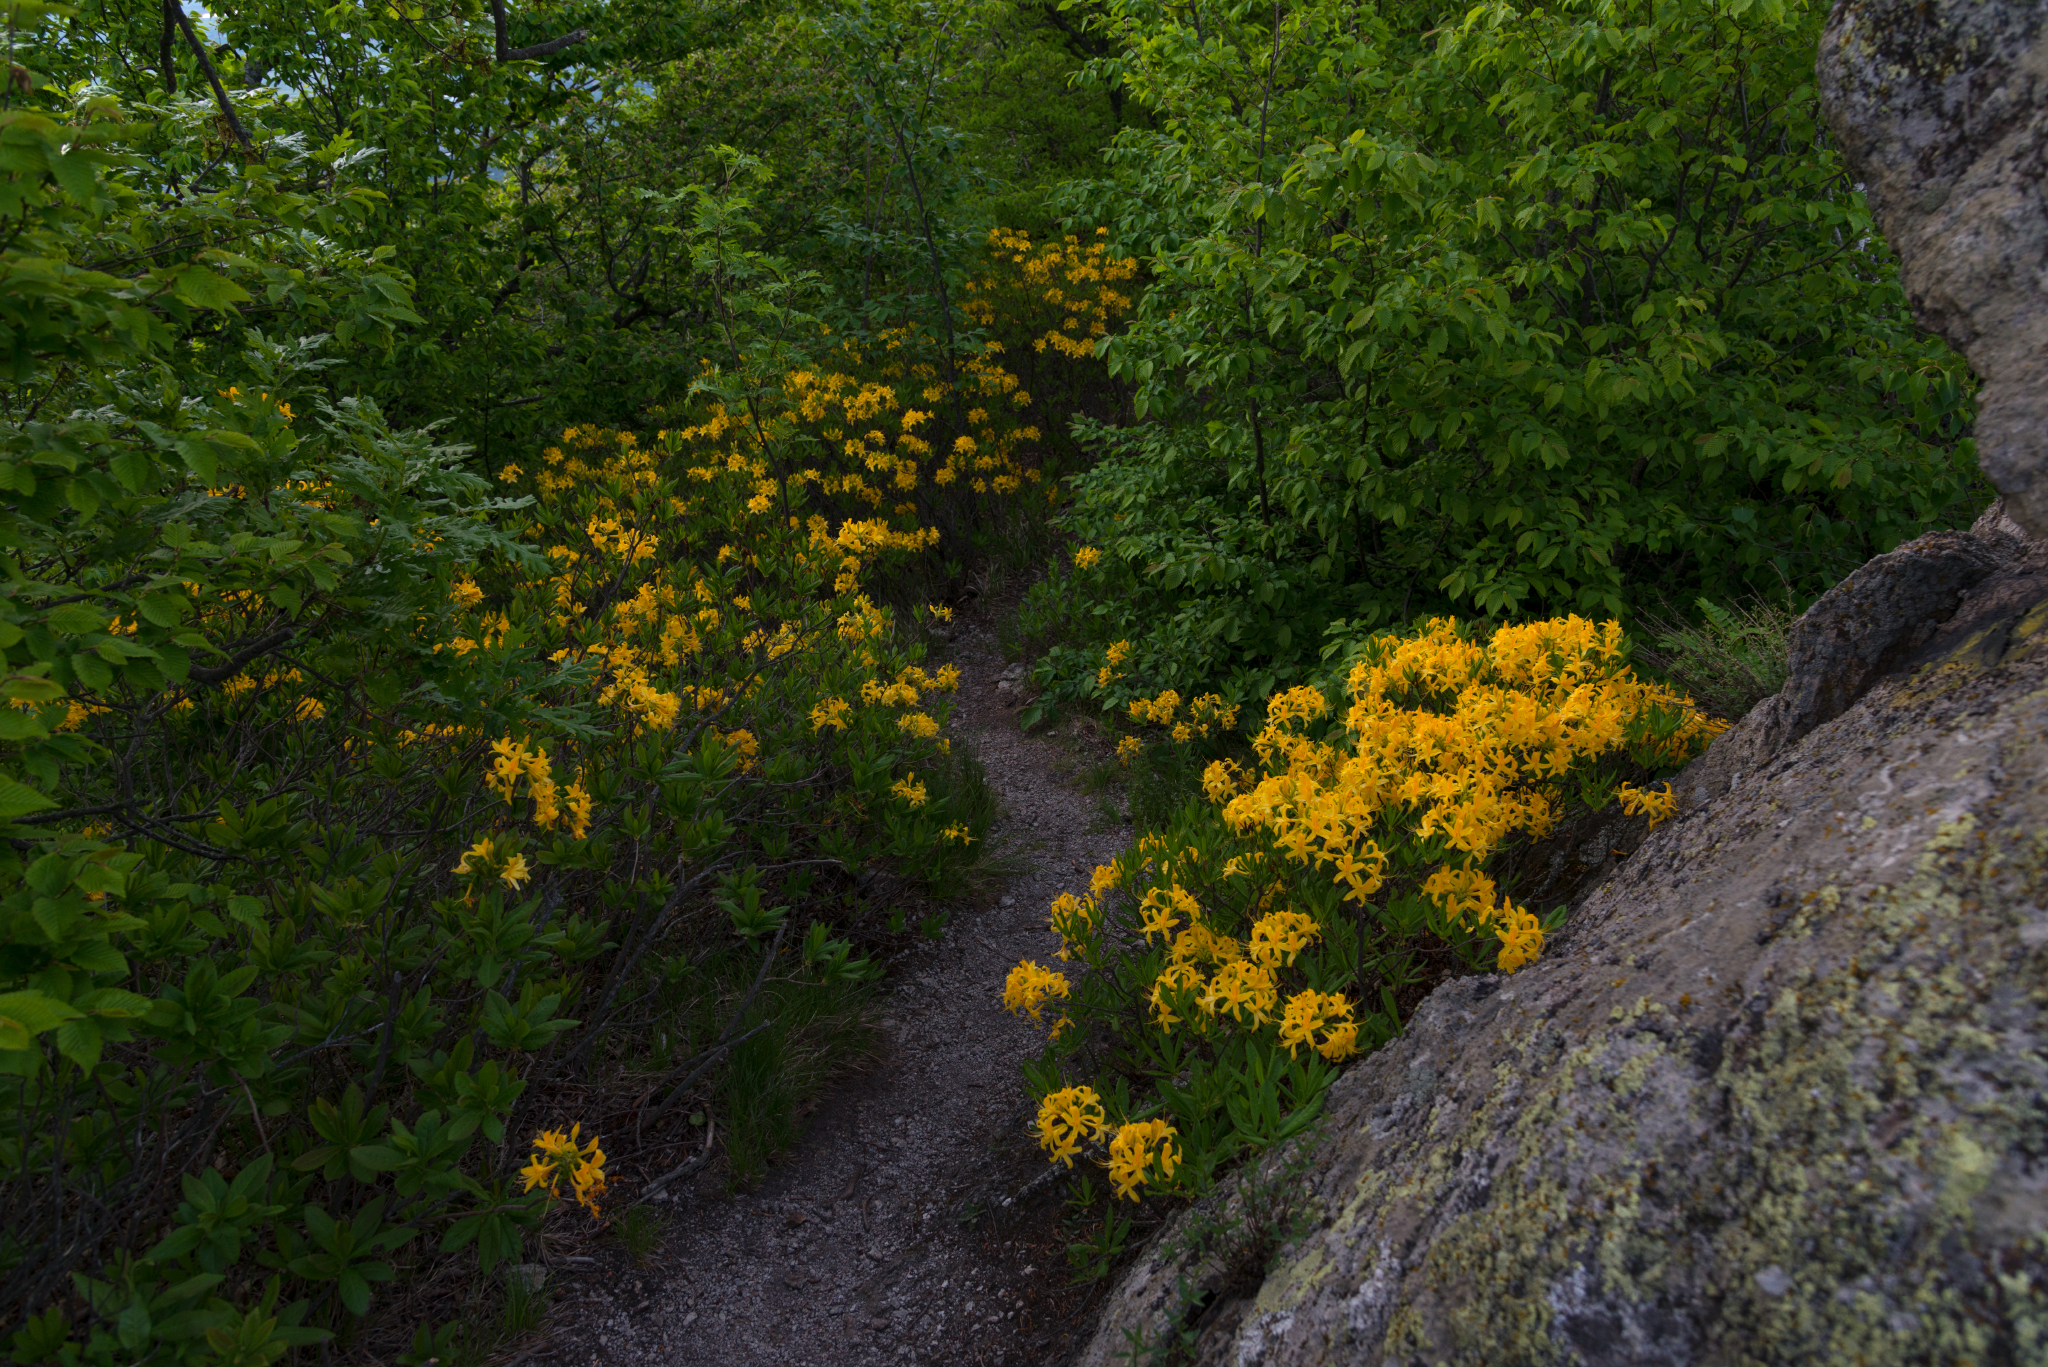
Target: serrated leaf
<point x="18" y="799"/>
<point x="35" y="1012"/>
<point x="208" y="290"/>
<point x="77" y="619"/>
<point x="81" y="1042"/>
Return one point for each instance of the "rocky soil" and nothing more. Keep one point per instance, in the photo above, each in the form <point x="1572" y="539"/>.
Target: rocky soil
<point x="885" y="1236"/>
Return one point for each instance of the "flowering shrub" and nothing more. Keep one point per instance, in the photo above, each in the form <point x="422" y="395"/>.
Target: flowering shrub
<point x="424" y="903"/>
<point x="1065" y="292"/>
<point x="1228" y="962"/>
<point x="361" y="809"/>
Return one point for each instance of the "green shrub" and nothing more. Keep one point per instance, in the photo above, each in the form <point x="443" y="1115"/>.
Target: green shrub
<point x="358" y="826"/>
<point x="1513" y="313"/>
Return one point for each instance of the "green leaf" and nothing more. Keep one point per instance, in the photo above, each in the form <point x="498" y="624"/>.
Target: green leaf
<point x="29" y="1014"/>
<point x="77" y="173"/>
<point x="78" y="619"/>
<point x="202" y="287"/>
<point x="81" y="1042"/>
<point x="18" y="799"/>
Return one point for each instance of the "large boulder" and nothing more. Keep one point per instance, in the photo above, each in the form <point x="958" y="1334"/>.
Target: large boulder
<point x="1779" y="1092"/>
<point x="1942" y="109"/>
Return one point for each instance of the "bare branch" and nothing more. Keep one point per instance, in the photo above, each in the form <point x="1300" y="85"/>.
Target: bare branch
<point x="549" y="48"/>
<point x="527" y="54"/>
<point x="220" y="94"/>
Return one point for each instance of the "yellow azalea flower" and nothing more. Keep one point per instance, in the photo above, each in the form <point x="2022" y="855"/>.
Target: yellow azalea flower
<point x="1198" y="944"/>
<point x="1521" y="937"/>
<point x="1278" y="938"/>
<point x="1087" y="558"/>
<point x="478" y="858"/>
<point x="1648" y="802"/>
<point x="579" y="811"/>
<point x="1321" y="1021"/>
<point x="1136" y="1148"/>
<point x="1179" y="987"/>
<point x="1069" y="1118"/>
<point x="1244" y="991"/>
<point x="514" y="873"/>
<point x="1073" y="920"/>
<point x="1029" y="987"/>
<point x="557" y="1156"/>
<point x="1162" y="908"/>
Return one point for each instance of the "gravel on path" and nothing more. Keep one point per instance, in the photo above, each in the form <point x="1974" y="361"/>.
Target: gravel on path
<point x="882" y="1238"/>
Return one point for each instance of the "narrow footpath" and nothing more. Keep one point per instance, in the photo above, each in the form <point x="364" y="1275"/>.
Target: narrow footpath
<point x="883" y="1236"/>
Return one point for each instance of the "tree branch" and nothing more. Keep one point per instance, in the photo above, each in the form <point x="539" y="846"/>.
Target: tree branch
<point x="527" y="54"/>
<point x="262" y="645"/>
<point x="220" y="94"/>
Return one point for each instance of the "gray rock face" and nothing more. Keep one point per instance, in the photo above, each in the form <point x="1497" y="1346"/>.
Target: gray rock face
<point x="1853" y="634"/>
<point x="1942" y="109"/>
<point x="1774" y="1096"/>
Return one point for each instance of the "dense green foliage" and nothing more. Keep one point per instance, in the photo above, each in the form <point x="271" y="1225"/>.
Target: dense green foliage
<point x="1510" y="313"/>
<point x="369" y="807"/>
<point x="334" y="799"/>
<point x="473" y="483"/>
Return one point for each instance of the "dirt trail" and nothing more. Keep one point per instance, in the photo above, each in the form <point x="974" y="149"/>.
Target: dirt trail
<point x="882" y="1238"/>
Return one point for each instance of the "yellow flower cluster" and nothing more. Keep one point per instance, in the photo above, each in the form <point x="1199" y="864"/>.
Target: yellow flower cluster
<point x="1087" y="558"/>
<point x="1030" y="987"/>
<point x="244" y="682"/>
<point x="850" y="408"/>
<point x="1279" y="937"/>
<point x="1136" y="1149"/>
<point x="485" y="858"/>
<point x="1112" y="663"/>
<point x="1205" y="715"/>
<point x="1069" y="1118"/>
<point x="1459" y="739"/>
<point x="559" y="1158"/>
<point x="1242" y="985"/>
<point x="1073" y="920"/>
<point x="1321" y="1021"/>
<point x="551" y="804"/>
<point x="1658" y="806"/>
<point x="1067" y="287"/>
